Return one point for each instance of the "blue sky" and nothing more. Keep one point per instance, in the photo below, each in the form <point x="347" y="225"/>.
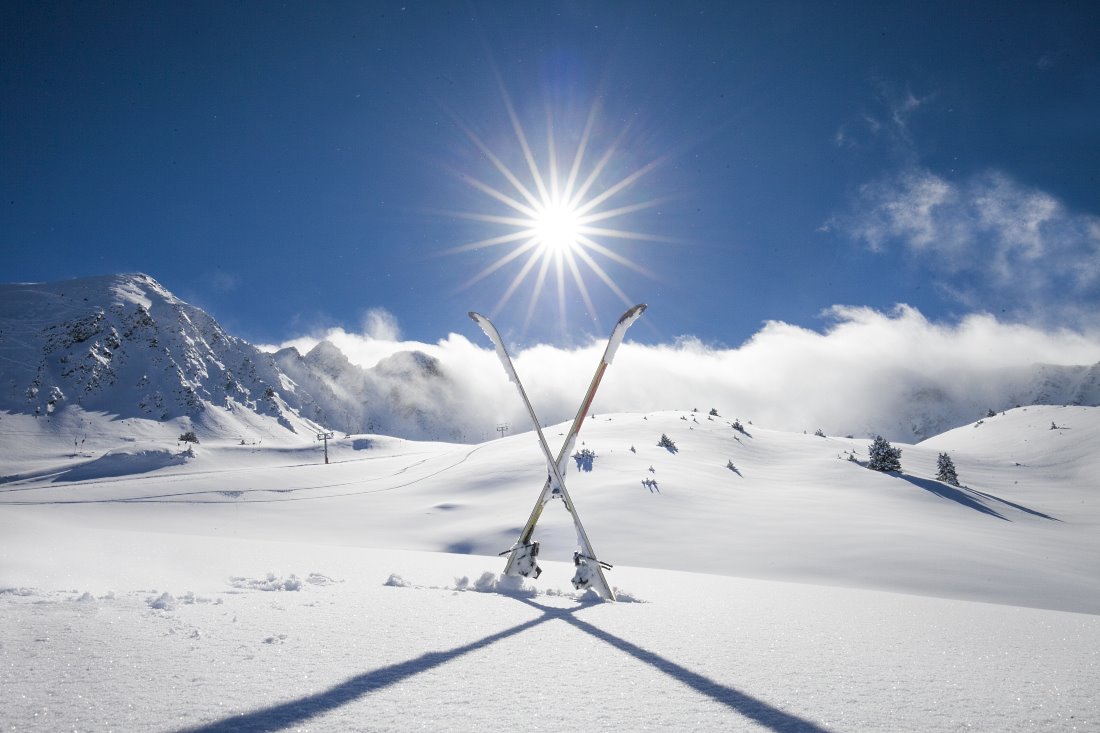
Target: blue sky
<point x="296" y="168"/>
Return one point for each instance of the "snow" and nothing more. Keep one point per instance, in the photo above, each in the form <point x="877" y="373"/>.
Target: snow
<point x="252" y="587"/>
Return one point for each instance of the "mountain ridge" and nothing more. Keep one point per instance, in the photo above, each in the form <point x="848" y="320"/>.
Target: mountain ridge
<point x="125" y="345"/>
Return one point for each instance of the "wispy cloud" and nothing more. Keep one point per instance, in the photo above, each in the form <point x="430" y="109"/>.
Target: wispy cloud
<point x="865" y="372"/>
<point x="995" y="243"/>
<point x="886" y="122"/>
<point x="221" y="281"/>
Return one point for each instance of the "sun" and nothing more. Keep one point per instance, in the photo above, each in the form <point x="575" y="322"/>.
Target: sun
<point x="556" y="222"/>
<point x="558" y="229"/>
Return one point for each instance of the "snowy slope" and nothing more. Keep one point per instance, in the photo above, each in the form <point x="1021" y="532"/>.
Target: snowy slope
<point x="1023" y="530"/>
<point x="177" y="633"/>
<point x="251" y="587"/>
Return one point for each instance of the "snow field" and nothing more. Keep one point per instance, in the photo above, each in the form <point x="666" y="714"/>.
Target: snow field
<point x="345" y="651"/>
<point x="253" y="588"/>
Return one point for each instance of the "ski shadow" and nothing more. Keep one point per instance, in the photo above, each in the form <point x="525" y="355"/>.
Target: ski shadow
<point x="294" y="712"/>
<point x="742" y="703"/>
<point x="972" y="499"/>
<point x="299" y="710"/>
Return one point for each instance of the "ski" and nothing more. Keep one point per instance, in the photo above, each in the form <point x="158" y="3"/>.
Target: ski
<point x="522" y="556"/>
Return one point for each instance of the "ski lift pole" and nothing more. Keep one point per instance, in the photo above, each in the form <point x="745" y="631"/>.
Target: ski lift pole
<point x="325" y="437"/>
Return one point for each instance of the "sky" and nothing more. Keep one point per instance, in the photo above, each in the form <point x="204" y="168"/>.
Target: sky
<point x="371" y="167"/>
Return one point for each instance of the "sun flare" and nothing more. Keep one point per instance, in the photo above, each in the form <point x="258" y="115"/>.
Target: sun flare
<point x="557" y="220"/>
<point x="558" y="228"/>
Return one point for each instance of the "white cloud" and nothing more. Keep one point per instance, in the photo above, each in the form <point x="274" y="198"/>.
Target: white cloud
<point x="381" y="325"/>
<point x="1019" y="248"/>
<point x="868" y="371"/>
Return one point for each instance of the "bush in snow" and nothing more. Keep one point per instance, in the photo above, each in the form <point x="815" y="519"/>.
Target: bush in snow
<point x="714" y="412"/>
<point x="945" y="470"/>
<point x="666" y="442"/>
<point x="189" y="437"/>
<point x="883" y="456"/>
<point x="819" y="433"/>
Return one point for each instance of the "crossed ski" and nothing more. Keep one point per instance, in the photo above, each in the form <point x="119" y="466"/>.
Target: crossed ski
<point x="523" y="554"/>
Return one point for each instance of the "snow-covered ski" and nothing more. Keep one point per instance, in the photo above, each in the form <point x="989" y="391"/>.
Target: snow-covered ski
<point x="523" y="554"/>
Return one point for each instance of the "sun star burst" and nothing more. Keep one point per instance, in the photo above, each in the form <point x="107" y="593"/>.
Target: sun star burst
<point x="556" y="224"/>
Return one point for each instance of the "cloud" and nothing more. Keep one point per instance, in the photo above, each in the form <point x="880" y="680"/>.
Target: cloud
<point x="381" y="325"/>
<point x="221" y="282"/>
<point x="894" y="373"/>
<point x="998" y="244"/>
<point x="887" y="123"/>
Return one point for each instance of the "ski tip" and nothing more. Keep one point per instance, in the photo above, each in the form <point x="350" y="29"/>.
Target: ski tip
<point x="475" y="316"/>
<point x="627" y="319"/>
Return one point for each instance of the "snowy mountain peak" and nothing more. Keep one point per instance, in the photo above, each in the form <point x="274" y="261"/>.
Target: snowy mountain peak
<point x="125" y="346"/>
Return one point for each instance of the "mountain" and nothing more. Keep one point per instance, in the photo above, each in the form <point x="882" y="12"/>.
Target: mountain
<point x="928" y="406"/>
<point x="407" y="394"/>
<point x="124" y="347"/>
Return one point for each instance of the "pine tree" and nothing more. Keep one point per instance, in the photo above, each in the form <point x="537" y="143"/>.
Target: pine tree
<point x="883" y="456"/>
<point x="945" y="470"/>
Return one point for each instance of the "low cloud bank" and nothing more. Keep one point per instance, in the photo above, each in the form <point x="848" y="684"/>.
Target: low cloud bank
<point x="893" y="373"/>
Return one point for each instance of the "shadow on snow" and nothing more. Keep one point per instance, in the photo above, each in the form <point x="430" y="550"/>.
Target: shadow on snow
<point x="301" y="709"/>
<point x="970" y="498"/>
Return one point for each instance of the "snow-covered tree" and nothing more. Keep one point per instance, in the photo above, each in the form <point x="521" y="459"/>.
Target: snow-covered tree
<point x="189" y="437"/>
<point x="945" y="470"/>
<point x="883" y="456"/>
<point x="666" y="442"/>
